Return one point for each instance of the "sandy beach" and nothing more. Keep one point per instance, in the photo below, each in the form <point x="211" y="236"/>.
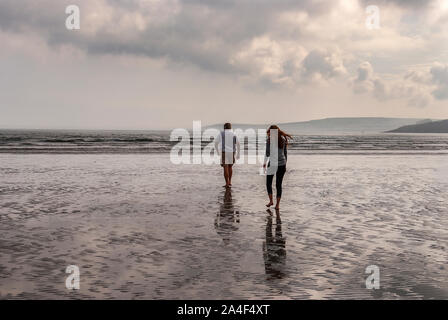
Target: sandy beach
<point x="140" y="227"/>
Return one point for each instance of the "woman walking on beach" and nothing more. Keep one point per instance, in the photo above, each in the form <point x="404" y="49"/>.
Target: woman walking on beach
<point x="277" y="155"/>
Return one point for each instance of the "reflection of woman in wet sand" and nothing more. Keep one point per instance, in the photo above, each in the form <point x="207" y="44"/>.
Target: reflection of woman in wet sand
<point x="227" y="219"/>
<point x="274" y="252"/>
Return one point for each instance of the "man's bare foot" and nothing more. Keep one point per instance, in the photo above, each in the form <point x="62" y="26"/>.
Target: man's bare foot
<point x="269" y="204"/>
<point x="277" y="207"/>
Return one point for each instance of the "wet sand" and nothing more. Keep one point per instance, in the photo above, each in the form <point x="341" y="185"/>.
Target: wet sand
<point x="140" y="227"/>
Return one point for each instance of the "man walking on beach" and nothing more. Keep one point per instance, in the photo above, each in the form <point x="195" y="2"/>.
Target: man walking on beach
<point x="228" y="145"/>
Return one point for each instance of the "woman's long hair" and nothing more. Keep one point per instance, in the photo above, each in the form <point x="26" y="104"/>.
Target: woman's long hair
<point x="282" y="136"/>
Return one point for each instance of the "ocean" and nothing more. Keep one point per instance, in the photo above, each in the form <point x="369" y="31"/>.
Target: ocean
<point x="123" y="142"/>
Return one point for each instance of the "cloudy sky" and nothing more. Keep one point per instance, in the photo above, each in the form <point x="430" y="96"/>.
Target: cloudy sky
<point x="159" y="64"/>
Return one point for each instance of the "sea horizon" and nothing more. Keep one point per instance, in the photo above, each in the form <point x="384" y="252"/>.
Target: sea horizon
<point x="153" y="141"/>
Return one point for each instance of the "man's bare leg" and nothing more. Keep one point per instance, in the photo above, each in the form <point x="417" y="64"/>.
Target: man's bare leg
<point x="230" y="174"/>
<point x="226" y="175"/>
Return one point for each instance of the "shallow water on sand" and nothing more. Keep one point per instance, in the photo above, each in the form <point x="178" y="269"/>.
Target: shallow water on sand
<point x="140" y="227"/>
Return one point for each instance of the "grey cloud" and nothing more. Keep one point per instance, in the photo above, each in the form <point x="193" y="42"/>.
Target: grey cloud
<point x="413" y="87"/>
<point x="41" y="16"/>
<point x="324" y="63"/>
<point x="365" y="80"/>
<point x="439" y="74"/>
<point x="441" y="93"/>
<point x="363" y="73"/>
<point x="401" y="3"/>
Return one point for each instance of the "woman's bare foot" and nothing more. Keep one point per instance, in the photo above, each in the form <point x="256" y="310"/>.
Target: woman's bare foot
<point x="277" y="206"/>
<point x="269" y="204"/>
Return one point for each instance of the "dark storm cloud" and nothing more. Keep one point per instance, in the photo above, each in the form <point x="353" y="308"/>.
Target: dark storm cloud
<point x="38" y="16"/>
<point x="183" y="38"/>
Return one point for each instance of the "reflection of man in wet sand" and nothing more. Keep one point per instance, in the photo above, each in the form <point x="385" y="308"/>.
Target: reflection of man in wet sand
<point x="274" y="252"/>
<point x="227" y="219"/>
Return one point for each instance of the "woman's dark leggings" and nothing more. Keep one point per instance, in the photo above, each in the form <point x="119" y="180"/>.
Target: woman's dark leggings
<point x="278" y="180"/>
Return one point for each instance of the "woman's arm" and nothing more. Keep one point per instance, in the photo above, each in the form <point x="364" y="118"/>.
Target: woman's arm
<point x="286" y="151"/>
<point x="267" y="153"/>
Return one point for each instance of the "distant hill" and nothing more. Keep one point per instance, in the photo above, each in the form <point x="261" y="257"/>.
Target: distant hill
<point x="338" y="125"/>
<point x="428" y="127"/>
